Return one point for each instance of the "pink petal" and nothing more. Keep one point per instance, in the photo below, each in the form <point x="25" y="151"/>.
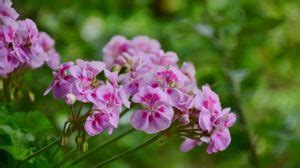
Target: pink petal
<point x="205" y="122"/>
<point x="220" y="140"/>
<point x="188" y="144"/>
<point x="139" y="119"/>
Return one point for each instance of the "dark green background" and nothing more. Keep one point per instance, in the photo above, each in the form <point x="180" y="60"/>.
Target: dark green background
<point x="247" y="50"/>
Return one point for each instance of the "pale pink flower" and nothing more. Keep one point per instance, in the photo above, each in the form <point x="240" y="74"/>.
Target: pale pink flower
<point x="84" y="73"/>
<point x="114" y="48"/>
<point x="62" y="81"/>
<point x="219" y="140"/>
<point x="143" y="44"/>
<point x="188" y="69"/>
<point x="105" y="96"/>
<point x="96" y="123"/>
<point x="157" y="113"/>
<point x="102" y="119"/>
<point x="119" y="89"/>
<point x="207" y="99"/>
<point x="6" y="11"/>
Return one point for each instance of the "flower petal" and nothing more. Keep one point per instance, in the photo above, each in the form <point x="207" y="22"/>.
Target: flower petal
<point x="139" y="119"/>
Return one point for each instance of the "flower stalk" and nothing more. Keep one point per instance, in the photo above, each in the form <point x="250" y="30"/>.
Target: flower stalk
<point x="123" y="154"/>
<point x="45" y="148"/>
<point x="106" y="143"/>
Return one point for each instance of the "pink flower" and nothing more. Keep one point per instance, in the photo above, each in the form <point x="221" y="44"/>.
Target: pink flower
<point x="62" y="81"/>
<point x="189" y="70"/>
<point x="46" y="44"/>
<point x="184" y="105"/>
<point x="27" y="31"/>
<point x="45" y="41"/>
<point x="53" y="59"/>
<point x="96" y="123"/>
<point x="84" y="73"/>
<point x="119" y="89"/>
<point x="6" y="11"/>
<point x="102" y="119"/>
<point x="113" y="49"/>
<point x="207" y="99"/>
<point x="219" y="140"/>
<point x="157" y="113"/>
<point x="105" y="96"/>
<point x="8" y="62"/>
<point x="9" y="30"/>
<point x="136" y="78"/>
<point x="162" y="58"/>
<point x="143" y="44"/>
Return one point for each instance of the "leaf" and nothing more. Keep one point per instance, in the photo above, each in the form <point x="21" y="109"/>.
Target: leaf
<point x="34" y="122"/>
<point x="16" y="143"/>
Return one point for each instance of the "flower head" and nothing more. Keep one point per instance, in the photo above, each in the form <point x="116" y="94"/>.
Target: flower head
<point x="157" y="113"/>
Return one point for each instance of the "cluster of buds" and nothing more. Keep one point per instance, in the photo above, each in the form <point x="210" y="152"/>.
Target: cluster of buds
<point x="137" y="74"/>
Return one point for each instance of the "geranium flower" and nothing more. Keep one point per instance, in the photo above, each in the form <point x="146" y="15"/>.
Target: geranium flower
<point x="157" y="113"/>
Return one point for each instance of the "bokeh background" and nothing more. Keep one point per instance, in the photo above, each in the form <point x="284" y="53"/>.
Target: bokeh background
<point x="248" y="50"/>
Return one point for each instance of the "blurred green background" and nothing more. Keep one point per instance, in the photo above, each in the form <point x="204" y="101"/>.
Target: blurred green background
<point x="248" y="50"/>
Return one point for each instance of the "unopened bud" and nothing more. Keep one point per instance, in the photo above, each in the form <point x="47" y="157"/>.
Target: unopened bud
<point x="70" y="99"/>
<point x="184" y="119"/>
<point x="84" y="146"/>
<point x="78" y="141"/>
<point x="205" y="139"/>
<point x="64" y="140"/>
<point x="31" y="96"/>
<point x="116" y="68"/>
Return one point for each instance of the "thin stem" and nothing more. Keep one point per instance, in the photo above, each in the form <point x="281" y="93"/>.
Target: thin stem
<point x="45" y="148"/>
<point x="72" y="111"/>
<point x="124" y="112"/>
<point x="100" y="146"/>
<point x="54" y="153"/>
<point x="79" y="110"/>
<point x="123" y="154"/>
<point x="106" y="143"/>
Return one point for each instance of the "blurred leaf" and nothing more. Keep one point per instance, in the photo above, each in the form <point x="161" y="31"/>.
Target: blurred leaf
<point x="34" y="122"/>
<point x="18" y="147"/>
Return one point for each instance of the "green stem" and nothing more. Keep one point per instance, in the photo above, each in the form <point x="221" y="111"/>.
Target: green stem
<point x="124" y="112"/>
<point x="72" y="111"/>
<point x="45" y="148"/>
<point x="79" y="110"/>
<point x="106" y="143"/>
<point x="123" y="154"/>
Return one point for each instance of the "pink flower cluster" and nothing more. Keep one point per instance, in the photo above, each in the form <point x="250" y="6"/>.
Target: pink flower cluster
<point x="21" y="44"/>
<point x="142" y="76"/>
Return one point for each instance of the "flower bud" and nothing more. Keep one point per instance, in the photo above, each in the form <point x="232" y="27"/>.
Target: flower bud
<point x="1" y="84"/>
<point x="70" y="99"/>
<point x="64" y="140"/>
<point x="84" y="146"/>
<point x="79" y="141"/>
<point x="184" y="119"/>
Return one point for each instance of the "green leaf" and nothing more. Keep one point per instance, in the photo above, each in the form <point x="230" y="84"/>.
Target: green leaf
<point x="16" y="142"/>
<point x="34" y="122"/>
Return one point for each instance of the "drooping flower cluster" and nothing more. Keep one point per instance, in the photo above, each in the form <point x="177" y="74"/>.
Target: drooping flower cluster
<point x="163" y="95"/>
<point x="21" y="44"/>
<point x="78" y="82"/>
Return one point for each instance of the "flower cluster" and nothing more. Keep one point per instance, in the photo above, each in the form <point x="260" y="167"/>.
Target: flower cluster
<point x="21" y="44"/>
<point x="164" y="96"/>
